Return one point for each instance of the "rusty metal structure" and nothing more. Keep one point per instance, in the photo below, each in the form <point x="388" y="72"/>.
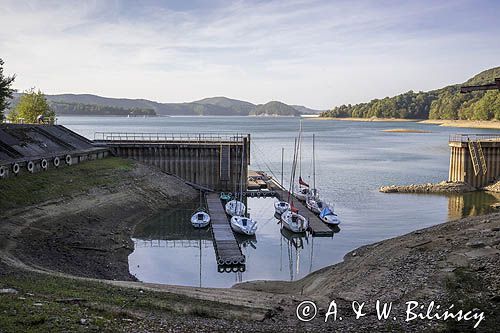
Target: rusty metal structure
<point x="490" y="86"/>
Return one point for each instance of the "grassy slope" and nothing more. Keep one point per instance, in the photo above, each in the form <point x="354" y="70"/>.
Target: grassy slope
<point x="52" y="304"/>
<point x="42" y="305"/>
<point x="30" y="189"/>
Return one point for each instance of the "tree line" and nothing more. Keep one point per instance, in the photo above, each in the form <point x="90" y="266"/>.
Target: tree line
<point x="445" y="103"/>
<point x="65" y="108"/>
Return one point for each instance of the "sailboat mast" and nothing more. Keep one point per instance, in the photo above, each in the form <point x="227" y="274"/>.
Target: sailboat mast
<point x="300" y="149"/>
<point x="282" y="165"/>
<point x="314" y="166"/>
<point x="292" y="174"/>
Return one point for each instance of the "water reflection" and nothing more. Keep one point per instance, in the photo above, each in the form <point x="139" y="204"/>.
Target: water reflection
<point x="471" y="204"/>
<point x="169" y="250"/>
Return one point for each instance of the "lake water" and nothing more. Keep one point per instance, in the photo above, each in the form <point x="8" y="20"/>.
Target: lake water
<point x="353" y="159"/>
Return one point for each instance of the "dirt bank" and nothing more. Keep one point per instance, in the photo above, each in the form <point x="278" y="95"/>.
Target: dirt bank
<point x="442" y="187"/>
<point x="405" y="130"/>
<point x="374" y="119"/>
<point x="452" y="263"/>
<point x="493" y="124"/>
<point x="87" y="233"/>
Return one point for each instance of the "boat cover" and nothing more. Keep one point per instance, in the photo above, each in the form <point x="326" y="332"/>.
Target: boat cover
<point x="326" y="211"/>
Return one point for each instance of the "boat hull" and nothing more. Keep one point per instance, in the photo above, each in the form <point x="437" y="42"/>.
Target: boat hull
<point x="243" y="225"/>
<point x="294" y="222"/>
<point x="200" y="219"/>
<point x="235" y="208"/>
<point x="331" y="219"/>
<point x="281" y="206"/>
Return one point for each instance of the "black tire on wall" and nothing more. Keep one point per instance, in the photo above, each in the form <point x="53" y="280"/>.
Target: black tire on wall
<point x="44" y="164"/>
<point x="56" y="161"/>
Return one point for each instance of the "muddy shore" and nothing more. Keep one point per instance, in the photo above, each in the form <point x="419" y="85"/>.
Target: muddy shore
<point x="443" y="187"/>
<point x="87" y="234"/>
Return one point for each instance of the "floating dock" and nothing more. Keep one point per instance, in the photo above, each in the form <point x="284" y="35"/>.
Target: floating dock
<point x="318" y="228"/>
<point x="227" y="250"/>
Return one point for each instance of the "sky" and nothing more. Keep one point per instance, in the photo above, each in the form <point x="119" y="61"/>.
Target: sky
<point x="315" y="53"/>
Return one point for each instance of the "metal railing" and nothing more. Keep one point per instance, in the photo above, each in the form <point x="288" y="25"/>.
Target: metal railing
<point x="474" y="137"/>
<point x="169" y="137"/>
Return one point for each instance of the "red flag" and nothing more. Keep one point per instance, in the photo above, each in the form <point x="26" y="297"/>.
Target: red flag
<point x="303" y="183"/>
<point x="293" y="208"/>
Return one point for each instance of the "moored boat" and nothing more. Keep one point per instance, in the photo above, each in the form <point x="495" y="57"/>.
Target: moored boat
<point x="315" y="204"/>
<point x="302" y="193"/>
<point x="200" y="219"/>
<point x="328" y="216"/>
<point x="281" y="206"/>
<point x="294" y="221"/>
<point x="243" y="225"/>
<point x="235" y="208"/>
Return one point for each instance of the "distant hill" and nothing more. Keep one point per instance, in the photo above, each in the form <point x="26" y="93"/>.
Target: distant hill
<point x="444" y="103"/>
<point x="274" y="108"/>
<point x="87" y="104"/>
<point x="239" y="107"/>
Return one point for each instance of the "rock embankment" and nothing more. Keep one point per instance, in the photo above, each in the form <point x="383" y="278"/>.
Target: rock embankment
<point x="493" y="187"/>
<point x="442" y="187"/>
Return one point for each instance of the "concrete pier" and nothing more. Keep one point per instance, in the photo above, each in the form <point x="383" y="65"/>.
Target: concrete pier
<point x="469" y="149"/>
<point x="210" y="160"/>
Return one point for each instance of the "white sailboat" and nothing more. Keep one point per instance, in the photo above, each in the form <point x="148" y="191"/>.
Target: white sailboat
<point x="294" y="222"/>
<point x="243" y="225"/>
<point x="291" y="219"/>
<point x="313" y="202"/>
<point x="235" y="208"/>
<point x="281" y="206"/>
<point x="200" y="219"/>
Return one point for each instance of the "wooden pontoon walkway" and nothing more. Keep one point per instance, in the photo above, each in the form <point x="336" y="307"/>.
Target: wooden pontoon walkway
<point x="318" y="228"/>
<point x="227" y="250"/>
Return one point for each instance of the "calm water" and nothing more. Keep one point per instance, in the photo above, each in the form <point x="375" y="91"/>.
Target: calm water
<point x="353" y="159"/>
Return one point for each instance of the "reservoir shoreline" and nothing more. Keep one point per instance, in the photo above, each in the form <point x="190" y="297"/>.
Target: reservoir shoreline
<point x="405" y="264"/>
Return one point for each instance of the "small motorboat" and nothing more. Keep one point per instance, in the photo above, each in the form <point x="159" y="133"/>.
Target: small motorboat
<point x="302" y="193"/>
<point x="235" y="208"/>
<point x="281" y="206"/>
<point x="225" y="196"/>
<point x="314" y="204"/>
<point x="243" y="225"/>
<point x="294" y="221"/>
<point x="200" y="219"/>
<point x="329" y="217"/>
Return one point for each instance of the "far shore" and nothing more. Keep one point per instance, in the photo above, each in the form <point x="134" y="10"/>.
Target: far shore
<point x="488" y="124"/>
<point x="374" y="119"/>
<point x="491" y="124"/>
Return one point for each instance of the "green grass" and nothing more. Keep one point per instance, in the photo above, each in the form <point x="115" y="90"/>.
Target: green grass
<point x="465" y="289"/>
<point x="29" y="189"/>
<point x="103" y="306"/>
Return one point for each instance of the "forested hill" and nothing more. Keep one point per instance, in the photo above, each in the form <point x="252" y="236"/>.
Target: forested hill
<point x="85" y="104"/>
<point x="444" y="103"/>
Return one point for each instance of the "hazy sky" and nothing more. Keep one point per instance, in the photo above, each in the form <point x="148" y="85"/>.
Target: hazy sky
<point x="316" y="53"/>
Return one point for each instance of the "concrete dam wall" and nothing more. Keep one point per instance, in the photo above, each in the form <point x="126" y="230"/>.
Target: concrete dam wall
<point x="216" y="161"/>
